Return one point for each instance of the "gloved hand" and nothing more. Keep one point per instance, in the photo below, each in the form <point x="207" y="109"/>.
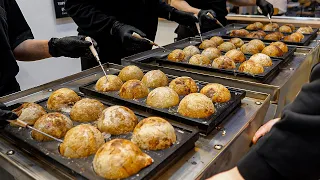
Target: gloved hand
<point x="6" y="115"/>
<point x="205" y="21"/>
<point x="124" y="32"/>
<point x="265" y="7"/>
<point x="70" y="46"/>
<point x="183" y="18"/>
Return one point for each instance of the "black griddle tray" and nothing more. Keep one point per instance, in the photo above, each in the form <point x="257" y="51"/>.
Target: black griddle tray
<point x="314" y="32"/>
<point x="205" y="125"/>
<point x="186" y="138"/>
<point x="304" y="42"/>
<point x="268" y="74"/>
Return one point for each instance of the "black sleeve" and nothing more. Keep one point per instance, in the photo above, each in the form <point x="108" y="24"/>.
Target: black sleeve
<point x="164" y="10"/>
<point x="18" y="27"/>
<point x="291" y="150"/>
<point x="89" y="18"/>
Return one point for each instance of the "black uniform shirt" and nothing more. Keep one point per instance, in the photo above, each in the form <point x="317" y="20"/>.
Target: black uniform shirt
<point x="218" y="6"/>
<point x="13" y="31"/>
<point x="95" y="18"/>
<point x="291" y="150"/>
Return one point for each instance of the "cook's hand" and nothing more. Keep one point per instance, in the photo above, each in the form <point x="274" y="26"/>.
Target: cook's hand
<point x="206" y="21"/>
<point x="264" y="130"/>
<point x="183" y="18"/>
<point x="232" y="174"/>
<point x="6" y="115"/>
<point x="124" y="32"/>
<point x="70" y="46"/>
<point x="265" y="6"/>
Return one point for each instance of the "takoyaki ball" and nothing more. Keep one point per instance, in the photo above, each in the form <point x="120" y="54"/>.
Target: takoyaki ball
<point x="117" y="120"/>
<point x="239" y="33"/>
<point x="291" y="26"/>
<point x="270" y="27"/>
<point x="280" y="34"/>
<point x="133" y="89"/>
<point x="297" y="34"/>
<point x="226" y="46"/>
<point x="285" y="29"/>
<point x="62" y="100"/>
<point x="216" y="39"/>
<point x="258" y="43"/>
<point x="54" y="124"/>
<point x="249" y="49"/>
<point x="199" y="59"/>
<point x="251" y="67"/>
<point x="236" y="55"/>
<point x="281" y="45"/>
<point x="255" y="35"/>
<point x="237" y="42"/>
<point x="86" y="110"/>
<point x="207" y="43"/>
<point x="120" y="159"/>
<point x="305" y="30"/>
<point x="176" y="55"/>
<point x="259" y="25"/>
<point x="262" y="59"/>
<point x="163" y="97"/>
<point x="130" y="72"/>
<point x="81" y="141"/>
<point x="255" y="26"/>
<point x="272" y="50"/>
<point x="154" y="79"/>
<point x="290" y="38"/>
<point x="108" y="83"/>
<point x="196" y="105"/>
<point x="272" y="37"/>
<point x="261" y="33"/>
<point x="29" y="112"/>
<point x="211" y="53"/>
<point x="184" y="85"/>
<point x="217" y="92"/>
<point x="154" y="133"/>
<point x="223" y="62"/>
<point x="189" y="51"/>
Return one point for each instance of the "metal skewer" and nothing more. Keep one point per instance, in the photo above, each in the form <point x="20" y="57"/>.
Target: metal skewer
<point x="25" y="125"/>
<point x="269" y="18"/>
<point x="199" y="31"/>
<point x="217" y="21"/>
<point x="95" y="54"/>
<point x="136" y="35"/>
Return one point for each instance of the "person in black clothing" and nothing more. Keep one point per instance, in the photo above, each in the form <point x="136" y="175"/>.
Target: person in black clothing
<point x="289" y="148"/>
<point x="217" y="8"/>
<point x="17" y="43"/>
<point x="112" y="23"/>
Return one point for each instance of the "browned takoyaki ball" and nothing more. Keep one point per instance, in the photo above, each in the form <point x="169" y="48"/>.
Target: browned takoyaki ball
<point x="249" y="49"/>
<point x="236" y="55"/>
<point x="207" y="43"/>
<point x="223" y="62"/>
<point x="176" y="55"/>
<point x="281" y="45"/>
<point x="251" y="67"/>
<point x="216" y="39"/>
<point x="237" y="42"/>
<point x="272" y="50"/>
<point x="239" y="33"/>
<point x="285" y="29"/>
<point x="226" y="46"/>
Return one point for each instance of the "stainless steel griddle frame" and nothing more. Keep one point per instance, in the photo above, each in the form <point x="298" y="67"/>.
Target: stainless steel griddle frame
<point x="283" y="88"/>
<point x="213" y="153"/>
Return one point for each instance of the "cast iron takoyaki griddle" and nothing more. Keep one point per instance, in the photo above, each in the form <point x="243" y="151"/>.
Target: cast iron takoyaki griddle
<point x="304" y="42"/>
<point x="82" y="168"/>
<point x="205" y="125"/>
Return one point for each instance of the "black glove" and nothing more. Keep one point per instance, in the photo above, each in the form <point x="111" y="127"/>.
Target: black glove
<point x="70" y="46"/>
<point x="124" y="33"/>
<point x="265" y="7"/>
<point x="205" y="21"/>
<point x="6" y="115"/>
<point x="183" y="18"/>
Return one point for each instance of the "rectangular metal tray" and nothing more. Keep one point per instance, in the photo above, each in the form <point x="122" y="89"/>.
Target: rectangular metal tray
<point x="268" y="74"/>
<point x="186" y="138"/>
<point x="305" y="41"/>
<point x="205" y="125"/>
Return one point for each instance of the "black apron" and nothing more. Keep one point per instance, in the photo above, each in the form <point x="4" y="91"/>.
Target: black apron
<point x="218" y="6"/>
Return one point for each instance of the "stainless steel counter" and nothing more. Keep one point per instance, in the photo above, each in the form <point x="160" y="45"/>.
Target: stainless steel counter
<point x="231" y="139"/>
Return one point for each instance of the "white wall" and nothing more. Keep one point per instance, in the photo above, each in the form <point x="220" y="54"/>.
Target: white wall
<point x="40" y="16"/>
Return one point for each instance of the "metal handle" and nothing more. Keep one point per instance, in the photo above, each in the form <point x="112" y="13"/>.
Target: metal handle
<point x="92" y="49"/>
<point x="210" y="15"/>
